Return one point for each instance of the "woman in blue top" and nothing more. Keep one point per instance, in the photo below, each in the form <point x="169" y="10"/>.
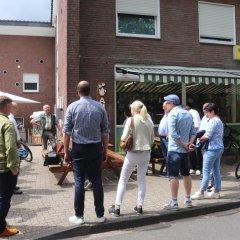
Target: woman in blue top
<point x="212" y="154"/>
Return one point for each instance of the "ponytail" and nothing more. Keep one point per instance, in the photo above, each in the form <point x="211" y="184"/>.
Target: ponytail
<point x="144" y="112"/>
<point x="139" y="107"/>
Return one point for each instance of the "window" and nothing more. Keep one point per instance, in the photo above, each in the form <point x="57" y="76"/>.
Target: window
<point x="30" y="82"/>
<point x="138" y="18"/>
<point x="216" y="23"/>
<point x="20" y="122"/>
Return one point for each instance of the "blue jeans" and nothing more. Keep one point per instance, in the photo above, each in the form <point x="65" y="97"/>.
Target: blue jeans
<point x="7" y="184"/>
<point x="211" y="161"/>
<point x="177" y="162"/>
<point x="87" y="160"/>
<point x="164" y="147"/>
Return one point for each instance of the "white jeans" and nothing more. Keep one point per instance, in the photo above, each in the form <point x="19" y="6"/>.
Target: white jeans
<point x="141" y="159"/>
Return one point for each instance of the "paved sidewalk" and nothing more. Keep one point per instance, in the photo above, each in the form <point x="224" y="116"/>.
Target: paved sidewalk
<point x="44" y="207"/>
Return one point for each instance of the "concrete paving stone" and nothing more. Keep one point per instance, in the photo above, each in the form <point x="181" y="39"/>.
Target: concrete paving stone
<point x="45" y="207"/>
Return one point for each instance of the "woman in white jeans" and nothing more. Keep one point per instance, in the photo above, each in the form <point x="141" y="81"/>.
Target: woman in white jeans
<point x="143" y="137"/>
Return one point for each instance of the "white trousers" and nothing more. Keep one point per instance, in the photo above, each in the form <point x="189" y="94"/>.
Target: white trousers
<point x="141" y="159"/>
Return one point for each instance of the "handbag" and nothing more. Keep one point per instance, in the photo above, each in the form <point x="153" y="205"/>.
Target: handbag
<point x="201" y="145"/>
<point x="127" y="145"/>
<point x="52" y="158"/>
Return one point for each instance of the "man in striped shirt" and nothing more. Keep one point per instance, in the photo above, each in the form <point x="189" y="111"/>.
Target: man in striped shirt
<point x="87" y="124"/>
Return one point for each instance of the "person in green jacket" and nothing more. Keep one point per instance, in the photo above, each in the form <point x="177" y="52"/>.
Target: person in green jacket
<point x="9" y="164"/>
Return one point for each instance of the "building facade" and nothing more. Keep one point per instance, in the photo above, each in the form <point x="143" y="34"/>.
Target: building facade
<point x="27" y="65"/>
<point x="144" y="50"/>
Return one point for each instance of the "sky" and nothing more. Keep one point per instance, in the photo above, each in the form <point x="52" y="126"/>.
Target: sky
<point x="26" y="10"/>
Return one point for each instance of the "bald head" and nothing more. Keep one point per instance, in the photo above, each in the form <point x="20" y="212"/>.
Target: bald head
<point x="83" y="88"/>
<point x="14" y="108"/>
<point x="47" y="109"/>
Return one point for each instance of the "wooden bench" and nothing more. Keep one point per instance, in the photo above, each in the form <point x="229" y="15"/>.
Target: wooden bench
<point x="114" y="161"/>
<point x="159" y="159"/>
<point x="64" y="168"/>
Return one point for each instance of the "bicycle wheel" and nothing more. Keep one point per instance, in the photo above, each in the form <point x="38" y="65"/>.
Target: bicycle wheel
<point x="237" y="171"/>
<point x="29" y="157"/>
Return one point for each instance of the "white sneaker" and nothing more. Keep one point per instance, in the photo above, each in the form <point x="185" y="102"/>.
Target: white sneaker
<point x="198" y="172"/>
<point x="215" y="195"/>
<point x="197" y="196"/>
<point x="76" y="220"/>
<point x="188" y="204"/>
<point x="171" y="206"/>
<point x="101" y="219"/>
<point x="192" y="171"/>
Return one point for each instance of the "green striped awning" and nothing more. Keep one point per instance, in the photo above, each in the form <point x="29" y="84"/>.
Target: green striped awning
<point x="187" y="75"/>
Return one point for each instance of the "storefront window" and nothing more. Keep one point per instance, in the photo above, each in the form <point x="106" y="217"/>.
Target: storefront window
<point x="227" y="97"/>
<point x="151" y="94"/>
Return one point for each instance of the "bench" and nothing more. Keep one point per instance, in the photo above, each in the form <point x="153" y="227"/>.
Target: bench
<point x="160" y="160"/>
<point x="157" y="159"/>
<point x="114" y="161"/>
<point x="63" y="168"/>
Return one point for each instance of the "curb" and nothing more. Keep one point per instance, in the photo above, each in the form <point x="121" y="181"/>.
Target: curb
<point x="138" y="221"/>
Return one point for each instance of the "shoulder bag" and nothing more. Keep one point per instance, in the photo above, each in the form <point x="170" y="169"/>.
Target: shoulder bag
<point x="127" y="145"/>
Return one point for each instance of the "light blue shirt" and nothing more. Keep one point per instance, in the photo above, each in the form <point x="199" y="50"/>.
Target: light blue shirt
<point x="180" y="127"/>
<point x="86" y="121"/>
<point x="163" y="126"/>
<point x="214" y="132"/>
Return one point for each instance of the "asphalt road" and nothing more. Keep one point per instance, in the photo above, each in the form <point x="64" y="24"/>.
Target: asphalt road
<point x="217" y="226"/>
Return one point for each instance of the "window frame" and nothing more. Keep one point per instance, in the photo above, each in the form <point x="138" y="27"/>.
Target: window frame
<point x="156" y="20"/>
<point x="214" y="40"/>
<point x="35" y="80"/>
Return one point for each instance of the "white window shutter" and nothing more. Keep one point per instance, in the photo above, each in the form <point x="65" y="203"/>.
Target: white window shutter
<point x="216" y="21"/>
<point x="30" y="78"/>
<point x="138" y="7"/>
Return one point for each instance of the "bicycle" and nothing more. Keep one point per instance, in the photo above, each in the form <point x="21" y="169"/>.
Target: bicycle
<point x="29" y="156"/>
<point x="237" y="171"/>
<point x="232" y="145"/>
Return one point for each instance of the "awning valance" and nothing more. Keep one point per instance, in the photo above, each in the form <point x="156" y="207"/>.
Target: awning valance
<point x="187" y="75"/>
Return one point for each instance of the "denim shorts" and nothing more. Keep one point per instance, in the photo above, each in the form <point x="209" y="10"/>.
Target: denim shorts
<point x="177" y="162"/>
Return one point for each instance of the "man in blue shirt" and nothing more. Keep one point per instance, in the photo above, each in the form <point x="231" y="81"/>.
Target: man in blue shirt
<point x="87" y="124"/>
<point x="181" y="137"/>
<point x="163" y="131"/>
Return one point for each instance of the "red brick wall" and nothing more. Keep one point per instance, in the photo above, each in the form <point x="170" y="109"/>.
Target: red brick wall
<point x="29" y="50"/>
<point x="73" y="48"/>
<point x="178" y="45"/>
<point x="99" y="49"/>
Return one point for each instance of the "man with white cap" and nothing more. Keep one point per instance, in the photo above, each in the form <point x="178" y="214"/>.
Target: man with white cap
<point x="181" y="134"/>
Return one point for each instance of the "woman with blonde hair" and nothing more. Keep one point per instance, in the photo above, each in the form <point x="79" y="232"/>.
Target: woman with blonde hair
<point x="143" y="137"/>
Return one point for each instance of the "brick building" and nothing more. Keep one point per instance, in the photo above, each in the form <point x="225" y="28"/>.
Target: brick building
<point x="147" y="49"/>
<point x="27" y="64"/>
<point x="127" y="50"/>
